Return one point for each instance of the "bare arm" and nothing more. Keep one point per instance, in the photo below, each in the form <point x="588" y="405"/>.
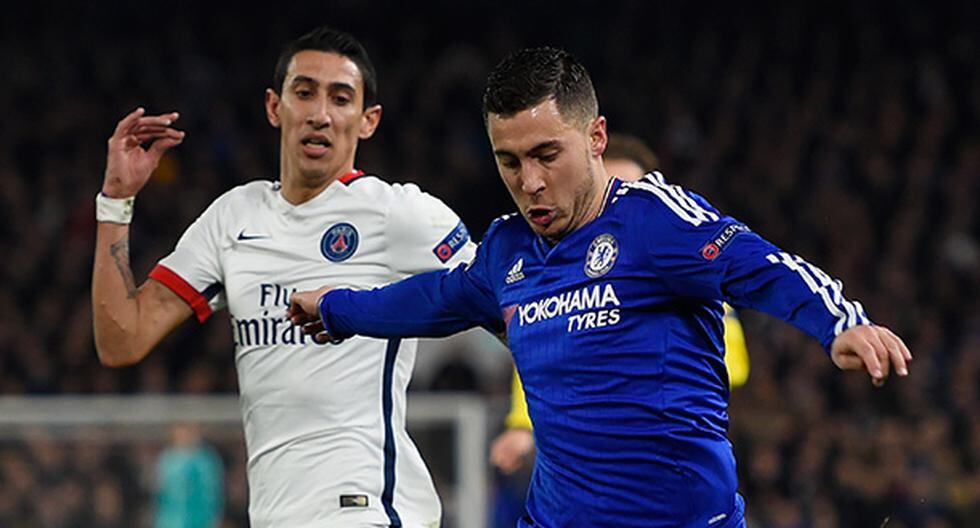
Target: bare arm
<point x="130" y="321"/>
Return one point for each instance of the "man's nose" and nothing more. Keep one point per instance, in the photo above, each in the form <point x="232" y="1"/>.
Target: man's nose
<point x="532" y="181"/>
<point x="319" y="117"/>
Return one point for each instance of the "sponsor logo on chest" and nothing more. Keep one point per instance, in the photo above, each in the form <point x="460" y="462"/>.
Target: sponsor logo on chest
<point x="594" y="306"/>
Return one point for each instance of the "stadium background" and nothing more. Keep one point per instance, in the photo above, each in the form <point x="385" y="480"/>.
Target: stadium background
<point x="849" y="133"/>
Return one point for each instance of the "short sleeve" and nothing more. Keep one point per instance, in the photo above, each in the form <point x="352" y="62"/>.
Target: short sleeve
<point x="424" y="234"/>
<point x="193" y="270"/>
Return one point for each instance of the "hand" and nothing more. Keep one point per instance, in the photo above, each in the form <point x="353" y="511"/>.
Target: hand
<point x="128" y="164"/>
<point x="304" y="311"/>
<point x="510" y="450"/>
<point x="873" y="348"/>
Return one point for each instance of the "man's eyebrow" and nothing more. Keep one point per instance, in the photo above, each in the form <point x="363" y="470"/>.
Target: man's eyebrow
<point x="534" y="151"/>
<point x="335" y="85"/>
<point x="541" y="147"/>
<point x="340" y="85"/>
<point x="301" y="79"/>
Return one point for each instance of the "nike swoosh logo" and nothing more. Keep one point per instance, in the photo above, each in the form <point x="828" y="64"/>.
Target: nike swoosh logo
<point x="243" y="236"/>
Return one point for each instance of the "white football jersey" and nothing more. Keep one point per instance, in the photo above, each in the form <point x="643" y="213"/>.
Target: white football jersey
<point x="324" y="424"/>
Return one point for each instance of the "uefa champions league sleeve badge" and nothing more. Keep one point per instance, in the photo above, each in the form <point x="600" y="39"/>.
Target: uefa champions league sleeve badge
<point x="601" y="256"/>
<point x="339" y="242"/>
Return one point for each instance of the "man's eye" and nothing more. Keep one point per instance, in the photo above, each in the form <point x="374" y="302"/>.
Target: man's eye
<point x="304" y="93"/>
<point x="341" y="100"/>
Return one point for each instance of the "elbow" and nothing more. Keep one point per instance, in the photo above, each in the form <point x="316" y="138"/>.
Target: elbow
<point x="115" y="356"/>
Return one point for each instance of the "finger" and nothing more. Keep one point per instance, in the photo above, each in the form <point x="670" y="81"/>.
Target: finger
<point x="906" y="353"/>
<point x="869" y="356"/>
<point x="322" y="338"/>
<point x="895" y="353"/>
<point x="130" y="141"/>
<point x="304" y="319"/>
<point x="127" y="122"/>
<point x="147" y="136"/>
<point x="141" y="122"/>
<point x="157" y="120"/>
<point x="162" y="145"/>
<point x="313" y="328"/>
<point x="296" y="301"/>
<point x="881" y="351"/>
<point x="299" y="317"/>
<point x="142" y="129"/>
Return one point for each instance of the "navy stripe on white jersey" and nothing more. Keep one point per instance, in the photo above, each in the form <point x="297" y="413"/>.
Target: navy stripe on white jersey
<point x="848" y="313"/>
<point x="673" y="196"/>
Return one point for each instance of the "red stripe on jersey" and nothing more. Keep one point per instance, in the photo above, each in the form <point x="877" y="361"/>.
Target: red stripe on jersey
<point x="184" y="290"/>
<point x="351" y="176"/>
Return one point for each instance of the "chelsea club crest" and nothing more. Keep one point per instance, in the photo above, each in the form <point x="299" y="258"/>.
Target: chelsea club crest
<point x="601" y="256"/>
<point x="339" y="242"/>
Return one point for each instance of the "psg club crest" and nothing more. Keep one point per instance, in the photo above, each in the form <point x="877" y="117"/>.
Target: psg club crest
<point x="339" y="242"/>
<point x="601" y="256"/>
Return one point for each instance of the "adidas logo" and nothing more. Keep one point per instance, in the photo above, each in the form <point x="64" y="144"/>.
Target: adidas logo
<point x="515" y="274"/>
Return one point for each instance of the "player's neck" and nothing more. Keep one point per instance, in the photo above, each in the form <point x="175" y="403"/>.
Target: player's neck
<point x="597" y="201"/>
<point x="593" y="206"/>
<point x="299" y="187"/>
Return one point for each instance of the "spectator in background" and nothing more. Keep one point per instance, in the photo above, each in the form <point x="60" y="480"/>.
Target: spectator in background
<point x="190" y="479"/>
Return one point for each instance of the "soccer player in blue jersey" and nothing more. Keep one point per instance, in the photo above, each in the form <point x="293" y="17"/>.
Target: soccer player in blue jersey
<point x="611" y="295"/>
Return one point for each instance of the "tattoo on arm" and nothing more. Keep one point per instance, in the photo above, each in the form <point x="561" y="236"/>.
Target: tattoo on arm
<point x="120" y="254"/>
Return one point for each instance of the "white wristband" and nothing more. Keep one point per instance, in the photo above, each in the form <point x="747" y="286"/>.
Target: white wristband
<point x="115" y="210"/>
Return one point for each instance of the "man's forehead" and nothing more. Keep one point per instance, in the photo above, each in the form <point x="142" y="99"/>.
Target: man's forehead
<point x="324" y="67"/>
<point x="528" y="128"/>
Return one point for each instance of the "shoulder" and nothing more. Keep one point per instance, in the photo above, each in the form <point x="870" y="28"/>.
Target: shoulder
<point x="411" y="204"/>
<point x="245" y="195"/>
<point x="654" y="198"/>
<point x="397" y="195"/>
<point x="507" y="226"/>
<point x="235" y="203"/>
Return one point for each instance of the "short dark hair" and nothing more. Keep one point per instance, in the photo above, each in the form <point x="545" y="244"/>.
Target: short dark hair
<point x="632" y="148"/>
<point x="530" y="76"/>
<point x="332" y="41"/>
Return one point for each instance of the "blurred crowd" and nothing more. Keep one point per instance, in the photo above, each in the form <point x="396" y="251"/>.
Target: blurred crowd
<point x="847" y="134"/>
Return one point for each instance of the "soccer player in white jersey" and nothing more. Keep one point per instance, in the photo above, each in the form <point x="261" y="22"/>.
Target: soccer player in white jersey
<point x="324" y="428"/>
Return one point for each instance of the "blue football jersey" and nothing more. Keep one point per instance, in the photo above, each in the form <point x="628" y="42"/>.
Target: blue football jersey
<point x="617" y="334"/>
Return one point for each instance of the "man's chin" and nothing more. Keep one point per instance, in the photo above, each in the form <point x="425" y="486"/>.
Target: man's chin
<point x="314" y="170"/>
<point x="312" y="176"/>
<point x="553" y="231"/>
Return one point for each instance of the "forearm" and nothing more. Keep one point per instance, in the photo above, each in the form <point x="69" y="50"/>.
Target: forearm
<point x="434" y="304"/>
<point x="129" y="321"/>
<point x="115" y="304"/>
<point x="798" y="292"/>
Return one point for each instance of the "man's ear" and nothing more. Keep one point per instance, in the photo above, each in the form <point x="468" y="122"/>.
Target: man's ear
<point x="272" y="101"/>
<point x="598" y="137"/>
<point x="369" y="121"/>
